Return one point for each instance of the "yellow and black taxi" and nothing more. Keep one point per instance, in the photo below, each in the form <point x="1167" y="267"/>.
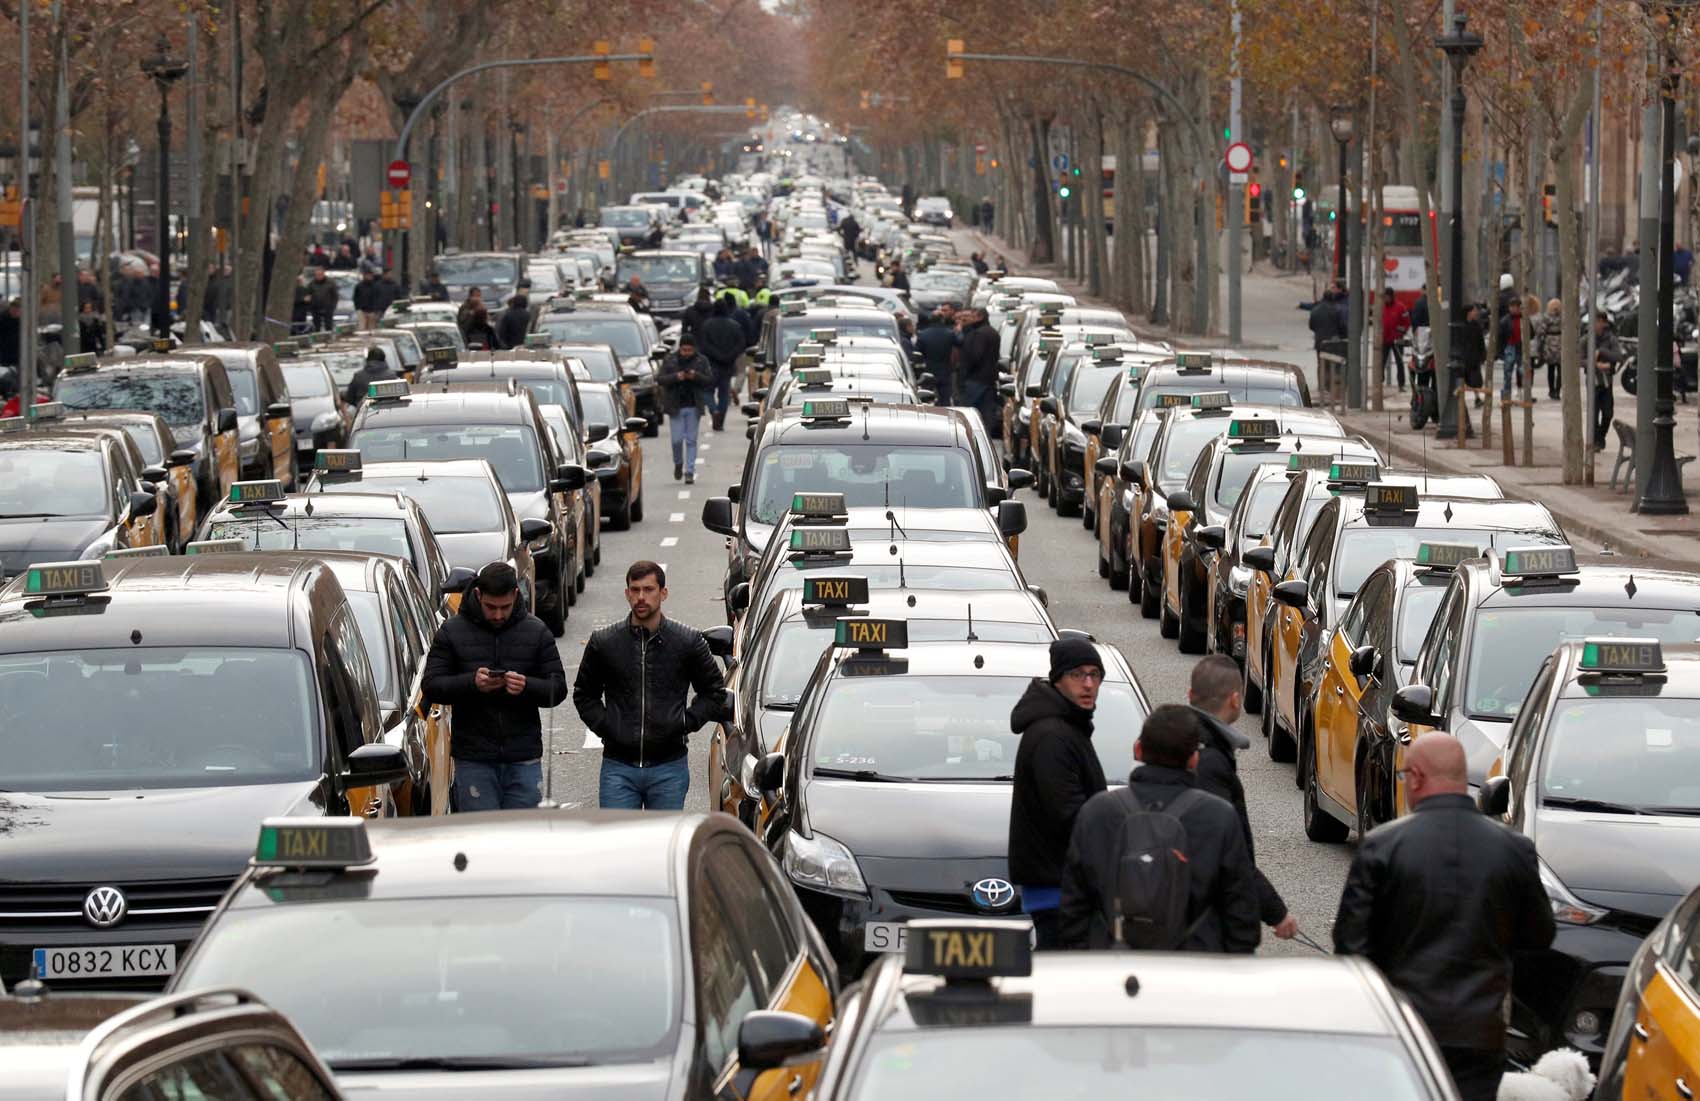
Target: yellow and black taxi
<point x="630" y="334"/>
<point x="156" y="528"/>
<point x="908" y="458"/>
<point x="970" y="1010"/>
<point x="614" y="451"/>
<point x="1654" y="1041"/>
<point x="1601" y="771"/>
<point x="1118" y="498"/>
<point x="1105" y="428"/>
<point x="266" y="419"/>
<point x="162" y="463"/>
<point x="186" y="698"/>
<point x="600" y="954"/>
<point x="1251" y="382"/>
<point x="192" y="393"/>
<point x="1350" y="537"/>
<point x="1211" y="490"/>
<point x="536" y="368"/>
<point x="264" y="518"/>
<point x="503" y="426"/>
<point x="69" y="494"/>
<point x="1502" y="616"/>
<point x="1247" y="527"/>
<point x="887" y="796"/>
<point x="1063" y="440"/>
<point x="316" y="401"/>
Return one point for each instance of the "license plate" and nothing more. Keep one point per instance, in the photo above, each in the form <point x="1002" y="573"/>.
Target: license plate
<point x="884" y="936"/>
<point x="119" y="961"/>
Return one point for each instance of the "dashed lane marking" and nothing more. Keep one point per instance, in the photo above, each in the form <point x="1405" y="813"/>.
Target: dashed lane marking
<point x="670" y="541"/>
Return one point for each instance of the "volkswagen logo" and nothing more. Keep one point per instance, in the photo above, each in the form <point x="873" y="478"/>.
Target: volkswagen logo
<point x="104" y="907"/>
<point x="994" y="895"/>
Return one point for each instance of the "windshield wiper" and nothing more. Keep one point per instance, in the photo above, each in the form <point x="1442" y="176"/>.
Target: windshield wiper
<point x="1688" y="811"/>
<point x="780" y="705"/>
<point x="864" y="775"/>
<point x="462" y="1062"/>
<point x="28" y="515"/>
<point x="1570" y="802"/>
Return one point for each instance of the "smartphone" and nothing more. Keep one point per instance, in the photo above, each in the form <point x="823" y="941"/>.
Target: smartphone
<point x="497" y="673"/>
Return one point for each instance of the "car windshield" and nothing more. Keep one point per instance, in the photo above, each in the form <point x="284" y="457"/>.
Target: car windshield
<point x="452" y="504"/>
<point x="147" y="442"/>
<point x="1201" y="1064"/>
<point x="174" y="396"/>
<point x="621" y="332"/>
<point x="660" y="269"/>
<point x="547" y="391"/>
<point x="245" y="384"/>
<point x="1510" y="643"/>
<point x="599" y="408"/>
<point x="513" y="449"/>
<point x="599" y="362"/>
<point x="342" y="363"/>
<point x="953" y="282"/>
<point x="1236" y="470"/>
<point x="369" y="617"/>
<point x="139" y="718"/>
<point x="366" y="534"/>
<point x="517" y="980"/>
<point x="950" y="728"/>
<point x="1422" y="600"/>
<point x="1187" y="437"/>
<point x="1641" y="752"/>
<point x="1245" y="394"/>
<point x="867" y="474"/>
<point x="545" y="279"/>
<point x="1363" y="549"/>
<point x="436" y="336"/>
<point x="1089" y="390"/>
<point x="53" y="483"/>
<point x="797" y="646"/>
<point x="624" y="218"/>
<point x="482" y="270"/>
<point x="1260" y="510"/>
<point x="875" y="325"/>
<point x="306" y="380"/>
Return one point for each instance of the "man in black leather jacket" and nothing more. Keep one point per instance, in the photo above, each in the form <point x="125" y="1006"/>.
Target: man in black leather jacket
<point x="631" y="690"/>
<point x="495" y="663"/>
<point x="1441" y="900"/>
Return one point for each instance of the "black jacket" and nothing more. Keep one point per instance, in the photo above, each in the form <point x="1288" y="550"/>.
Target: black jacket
<point x="494" y="726"/>
<point x="1224" y="895"/>
<point x="936" y="342"/>
<point x="723" y="340"/>
<point x="684" y="393"/>
<point x="512" y="325"/>
<point x="1056" y="771"/>
<point x="366" y="296"/>
<point x="1441" y="900"/>
<point x="481" y="335"/>
<point x="1219" y="774"/>
<point x="1328" y="320"/>
<point x="977" y="360"/>
<point x="370" y="371"/>
<point x="631" y="690"/>
<point x="322" y="296"/>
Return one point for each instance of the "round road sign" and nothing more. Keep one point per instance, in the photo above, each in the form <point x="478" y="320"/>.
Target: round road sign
<point x="399" y="174"/>
<point x="1238" y="157"/>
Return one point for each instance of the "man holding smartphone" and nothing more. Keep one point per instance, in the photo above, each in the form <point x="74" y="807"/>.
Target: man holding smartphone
<point x="495" y="663"/>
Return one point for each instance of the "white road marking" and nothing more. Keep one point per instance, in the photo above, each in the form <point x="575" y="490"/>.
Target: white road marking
<point x="676" y="518"/>
<point x="663" y="566"/>
<point x="670" y="541"/>
<point x="684" y="495"/>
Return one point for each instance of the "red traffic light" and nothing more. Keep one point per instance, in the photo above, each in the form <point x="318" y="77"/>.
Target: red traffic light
<point x="1254" y="190"/>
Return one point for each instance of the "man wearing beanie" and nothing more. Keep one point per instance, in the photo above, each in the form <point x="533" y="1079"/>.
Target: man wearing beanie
<point x="1056" y="771"/>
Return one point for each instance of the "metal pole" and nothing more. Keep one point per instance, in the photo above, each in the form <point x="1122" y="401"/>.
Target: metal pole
<point x="235" y="162"/>
<point x="1647" y="316"/>
<point x="1585" y="380"/>
<point x="192" y="165"/>
<point x="26" y="224"/>
<point x="1448" y="379"/>
<point x="1440" y="334"/>
<point x="70" y="336"/>
<point x="1662" y="492"/>
<point x="1236" y="192"/>
<point x="1340" y="241"/>
<point x="1354" y="296"/>
<point x="162" y="216"/>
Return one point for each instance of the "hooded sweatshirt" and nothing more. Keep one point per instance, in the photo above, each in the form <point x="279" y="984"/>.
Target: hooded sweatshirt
<point x="1056" y="771"/>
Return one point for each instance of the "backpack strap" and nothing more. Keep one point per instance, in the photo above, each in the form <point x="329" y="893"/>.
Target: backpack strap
<point x="1178" y="805"/>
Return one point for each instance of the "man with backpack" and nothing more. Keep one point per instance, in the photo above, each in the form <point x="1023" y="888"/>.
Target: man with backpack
<point x="1160" y="864"/>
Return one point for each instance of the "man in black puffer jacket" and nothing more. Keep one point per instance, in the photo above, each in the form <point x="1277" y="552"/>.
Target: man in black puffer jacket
<point x="495" y="664"/>
<point x="1056" y="771"/>
<point x="631" y="690"/>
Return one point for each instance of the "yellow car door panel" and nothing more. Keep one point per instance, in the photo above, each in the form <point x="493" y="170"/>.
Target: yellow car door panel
<point x="1665" y="1048"/>
<point x="283" y="447"/>
<point x="1337" y="724"/>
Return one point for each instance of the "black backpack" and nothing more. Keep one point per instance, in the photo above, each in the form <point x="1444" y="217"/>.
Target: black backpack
<point x="1152" y="886"/>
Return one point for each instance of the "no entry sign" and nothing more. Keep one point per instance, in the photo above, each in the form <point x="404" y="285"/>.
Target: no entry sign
<point x="1238" y="157"/>
<point x="399" y="174"/>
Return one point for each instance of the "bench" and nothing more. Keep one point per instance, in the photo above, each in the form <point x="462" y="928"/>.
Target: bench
<point x="1625" y="462"/>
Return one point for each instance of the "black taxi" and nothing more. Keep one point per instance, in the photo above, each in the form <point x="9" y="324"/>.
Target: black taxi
<point x="266" y="418"/>
<point x="524" y="954"/>
<point x="1654" y="1040"/>
<point x="1601" y="771"/>
<point x="970" y="1010"/>
<point x="188" y="697"/>
<point x="1251" y="382"/>
<point x="162" y="462"/>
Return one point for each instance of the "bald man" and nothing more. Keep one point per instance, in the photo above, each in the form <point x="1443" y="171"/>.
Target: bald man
<point x="1441" y="900"/>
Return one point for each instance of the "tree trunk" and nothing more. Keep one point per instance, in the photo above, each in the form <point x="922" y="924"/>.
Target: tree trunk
<point x="1043" y="247"/>
<point x="193" y="304"/>
<point x="1565" y="151"/>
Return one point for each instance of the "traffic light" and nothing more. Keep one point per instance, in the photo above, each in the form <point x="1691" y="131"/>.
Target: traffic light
<point x="867" y="99"/>
<point x="1077" y="171"/>
<point x="1549" y="201"/>
<point x="953" y="59"/>
<point x="749" y="107"/>
<point x="1298" y="185"/>
<point x="1064" y="191"/>
<point x="1253" y="203"/>
<point x="603" y="70"/>
<point x="1298" y="194"/>
<point x="707" y="92"/>
<point x="647" y="68"/>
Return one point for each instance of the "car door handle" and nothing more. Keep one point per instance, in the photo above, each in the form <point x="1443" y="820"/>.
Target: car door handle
<point x="796" y="1084"/>
<point x="1683" y="1090"/>
<point x="1339" y="690"/>
<point x="1641" y="1032"/>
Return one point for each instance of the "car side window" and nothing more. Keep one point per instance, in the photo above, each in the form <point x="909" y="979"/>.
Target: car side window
<point x="1313" y="559"/>
<point x="202" y="1075"/>
<point x="408" y="628"/>
<point x="726" y="981"/>
<point x="1378" y="621"/>
<point x="280" y="1074"/>
<point x="1281" y="531"/>
<point x="357" y="665"/>
<point x="1198" y="478"/>
<point x="1357" y="612"/>
<point x="1520" y="743"/>
<point x="1444" y="638"/>
<point x="740" y="886"/>
<point x="402" y="648"/>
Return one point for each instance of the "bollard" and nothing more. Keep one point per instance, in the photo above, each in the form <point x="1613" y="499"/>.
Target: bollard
<point x="1507" y="454"/>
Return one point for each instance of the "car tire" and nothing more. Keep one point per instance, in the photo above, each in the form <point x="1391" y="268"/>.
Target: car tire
<point x="1088" y="516"/>
<point x="420" y="804"/>
<point x="1064" y="507"/>
<point x="1281" y="745"/>
<point x="554" y="613"/>
<point x="1251" y="696"/>
<point x="621" y="520"/>
<point x="637" y="509"/>
<point x="653" y="428"/>
<point x="1103" y="564"/>
<point x="1320" y="826"/>
<point x="1150" y="595"/>
<point x="1368" y="795"/>
<point x="1167" y="625"/>
<point x="1192" y="627"/>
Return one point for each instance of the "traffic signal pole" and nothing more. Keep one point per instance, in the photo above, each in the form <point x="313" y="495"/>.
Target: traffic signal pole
<point x="1236" y="194"/>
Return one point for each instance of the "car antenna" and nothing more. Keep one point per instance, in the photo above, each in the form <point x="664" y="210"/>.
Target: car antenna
<point x="972" y="637"/>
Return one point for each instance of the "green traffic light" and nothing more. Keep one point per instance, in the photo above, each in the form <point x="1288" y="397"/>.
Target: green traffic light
<point x="1298" y="194"/>
<point x="1063" y="191"/>
<point x="1077" y="171"/>
<point x="1227" y="134"/>
<point x="1331" y="215"/>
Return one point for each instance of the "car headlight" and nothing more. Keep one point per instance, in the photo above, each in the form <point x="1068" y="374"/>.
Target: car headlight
<point x="1566" y="907"/>
<point x="822" y="863"/>
<point x="248" y="450"/>
<point x="327" y="421"/>
<point x="1239" y="579"/>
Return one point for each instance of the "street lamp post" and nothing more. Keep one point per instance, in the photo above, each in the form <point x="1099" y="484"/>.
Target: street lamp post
<point x="165" y="71"/>
<point x="1661" y="494"/>
<point x="1341" y="124"/>
<point x="1459" y="47"/>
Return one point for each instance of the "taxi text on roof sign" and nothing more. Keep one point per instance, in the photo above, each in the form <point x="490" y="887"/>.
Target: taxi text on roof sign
<point x="313" y="843"/>
<point x="1623" y="655"/>
<point x="158" y="550"/>
<point x="826" y="410"/>
<point x="1050" y="319"/>
<point x="256" y="493"/>
<point x="1099" y="340"/>
<point x="1388" y="497"/>
<point x="1445" y="556"/>
<point x="823" y="336"/>
<point x="834" y="592"/>
<point x="536" y="340"/>
<point x="1193" y="361"/>
<point x="958" y="949"/>
<point x="64" y="579"/>
<point x="818" y="505"/>
<point x="805" y="360"/>
<point x="1050" y="342"/>
<point x="337" y="460"/>
<point x="388" y="390"/>
<point x="820" y="541"/>
<point x="1106" y="353"/>
<point x="285" y="349"/>
<point x="814" y="378"/>
<point x="1212" y="399"/>
<point x="437" y="356"/>
<point x="1309" y="460"/>
<point x="1173" y="401"/>
<point x="215" y="546"/>
<point x="872" y="634"/>
<point x="1353" y="473"/>
<point x="1539" y="562"/>
<point x="1257" y="429"/>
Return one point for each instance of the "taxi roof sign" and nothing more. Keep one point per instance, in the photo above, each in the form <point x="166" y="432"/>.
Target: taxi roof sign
<point x="960" y="948"/>
<point x="286" y="349"/>
<point x="1194" y="361"/>
<point x="819" y="506"/>
<point x="1106" y="353"/>
<point x="1309" y="460"/>
<point x="215" y="546"/>
<point x="1361" y="474"/>
<point x="157" y="550"/>
<point x="266" y="492"/>
<point x="445" y="354"/>
<point x="1050" y="318"/>
<point x="46" y="411"/>
<point x="1211" y="399"/>
<point x="1538" y="562"/>
<point x="805" y="360"/>
<point x="1446" y="556"/>
<point x="1389" y="497"/>
<point x="337" y="460"/>
<point x="1173" y="401"/>
<point x="312" y="843"/>
<point x="1622" y="655"/>
<point x="826" y="410"/>
<point x="872" y="634"/>
<point x="1253" y="428"/>
<point x="13" y="424"/>
<point x="393" y="389"/>
<point x="835" y="592"/>
<point x="1098" y="340"/>
<point x="824" y="336"/>
<point x="536" y="340"/>
<point x="814" y="377"/>
<point x="824" y="540"/>
<point x="79" y="361"/>
<point x="64" y="579"/>
<point x="1050" y="342"/>
<point x="795" y="307"/>
<point x="162" y="344"/>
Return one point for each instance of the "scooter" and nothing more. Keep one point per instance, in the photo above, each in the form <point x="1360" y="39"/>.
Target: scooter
<point x="1425" y="406"/>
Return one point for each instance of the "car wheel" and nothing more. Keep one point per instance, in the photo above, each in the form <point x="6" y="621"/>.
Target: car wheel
<point x="420" y="803"/>
<point x="554" y="613"/>
<point x="1281" y="745"/>
<point x="1267" y="724"/>
<point x="637" y="508"/>
<point x="1063" y="507"/>
<point x="653" y="428"/>
<point x="1191" y="626"/>
<point x="1150" y="595"/>
<point x="1320" y="826"/>
<point x="622" y="518"/>
<point x="1088" y="517"/>
<point x="1368" y="795"/>
<point x="1168" y="626"/>
<point x="1103" y="563"/>
<point x="1251" y="696"/>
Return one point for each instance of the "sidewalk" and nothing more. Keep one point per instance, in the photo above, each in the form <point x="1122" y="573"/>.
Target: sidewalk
<point x="1275" y="328"/>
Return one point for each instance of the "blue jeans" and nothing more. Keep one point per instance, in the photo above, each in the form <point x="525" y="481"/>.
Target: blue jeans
<point x="1511" y="354"/>
<point x="653" y="787"/>
<point x="684" y="430"/>
<point x="485" y="785"/>
<point x="722" y="399"/>
<point x="978" y="396"/>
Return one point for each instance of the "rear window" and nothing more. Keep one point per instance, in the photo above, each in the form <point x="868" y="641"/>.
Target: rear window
<point x="513" y="450"/>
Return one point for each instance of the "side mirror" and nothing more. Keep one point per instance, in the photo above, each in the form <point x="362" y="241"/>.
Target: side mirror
<point x="1133" y="470"/>
<point x="1048" y="406"/>
<point x="1092" y="427"/>
<point x="597" y="432"/>
<point x="1019" y="478"/>
<point x="769" y="773"/>
<point x="1106" y="465"/>
<point x="154" y="474"/>
<point x="375" y="764"/>
<point x="532" y="530"/>
<point x="769" y="1038"/>
<point x="568" y="476"/>
<point x="1181" y="501"/>
<point x="1034" y="391"/>
<point x="749" y="430"/>
<point x="759" y="393"/>
<point x="750" y="409"/>
<point x="658" y="353"/>
<point x="1012" y="518"/>
<point x="927" y="397"/>
<point x="1112" y="434"/>
<point x="1007" y="390"/>
<point x="926" y="378"/>
<point x="1294" y="594"/>
<point x="995" y="495"/>
<point x="142" y="504"/>
<point x="739" y="597"/>
<point x="630" y="378"/>
<point x="607" y="473"/>
<point x="1005" y="379"/>
<point x="634" y="424"/>
<point x="1039" y="591"/>
<point x="1494" y="799"/>
<point x="735" y="492"/>
<point x="226" y="420"/>
<point x="717" y="516"/>
<point x="1364" y="661"/>
<point x="719" y="641"/>
<point x="457" y="581"/>
<point x="597" y="459"/>
<point x="1414" y="703"/>
<point x="183" y="457"/>
<point x="279" y="409"/>
<point x="1214" y="536"/>
<point x="1259" y="558"/>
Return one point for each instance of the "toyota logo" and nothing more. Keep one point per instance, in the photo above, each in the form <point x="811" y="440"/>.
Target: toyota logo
<point x="104" y="907"/>
<point x="993" y="894"/>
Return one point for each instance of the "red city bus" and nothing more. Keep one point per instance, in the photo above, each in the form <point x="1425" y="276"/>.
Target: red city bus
<point x="1401" y="222"/>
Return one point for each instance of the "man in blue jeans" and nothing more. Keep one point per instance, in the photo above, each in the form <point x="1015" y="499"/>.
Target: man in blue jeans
<point x="685" y="381"/>
<point x="631" y="691"/>
<point x="495" y="663"/>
